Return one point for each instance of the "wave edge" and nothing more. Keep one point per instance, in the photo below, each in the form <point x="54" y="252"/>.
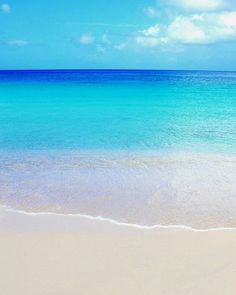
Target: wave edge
<point x="118" y="223"/>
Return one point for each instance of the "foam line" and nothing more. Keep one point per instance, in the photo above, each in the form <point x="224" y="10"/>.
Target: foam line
<point x="112" y="221"/>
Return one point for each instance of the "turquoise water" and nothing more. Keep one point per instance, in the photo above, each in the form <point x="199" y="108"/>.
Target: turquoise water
<point x="147" y="147"/>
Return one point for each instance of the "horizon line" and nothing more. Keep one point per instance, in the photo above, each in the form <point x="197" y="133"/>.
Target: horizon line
<point x="111" y="69"/>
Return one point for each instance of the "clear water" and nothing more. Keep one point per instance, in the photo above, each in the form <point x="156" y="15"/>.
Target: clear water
<point x="147" y="147"/>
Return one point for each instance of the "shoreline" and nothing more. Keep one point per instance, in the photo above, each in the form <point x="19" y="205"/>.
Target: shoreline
<point x="148" y="192"/>
<point x="115" y="222"/>
<point x="45" y="254"/>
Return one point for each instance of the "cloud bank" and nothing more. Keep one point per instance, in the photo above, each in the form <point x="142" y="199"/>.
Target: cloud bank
<point x="192" y="28"/>
<point x="199" y="5"/>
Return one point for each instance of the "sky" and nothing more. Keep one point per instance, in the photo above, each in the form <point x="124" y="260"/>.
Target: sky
<point x="130" y="34"/>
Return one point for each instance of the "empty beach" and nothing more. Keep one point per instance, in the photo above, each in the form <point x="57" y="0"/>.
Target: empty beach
<point x="46" y="254"/>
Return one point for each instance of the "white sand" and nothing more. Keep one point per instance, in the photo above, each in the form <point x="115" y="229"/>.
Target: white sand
<point x="53" y="255"/>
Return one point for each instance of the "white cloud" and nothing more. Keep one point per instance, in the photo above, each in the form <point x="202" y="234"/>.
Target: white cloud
<point x="203" y="5"/>
<point x="151" y="31"/>
<point x="228" y="19"/>
<point x="184" y="30"/>
<point x="198" y="5"/>
<point x="6" y="8"/>
<point x="17" y="42"/>
<point x="151" y="41"/>
<point x="86" y="39"/>
<point x="151" y="11"/>
<point x="203" y="28"/>
<point x="151" y="37"/>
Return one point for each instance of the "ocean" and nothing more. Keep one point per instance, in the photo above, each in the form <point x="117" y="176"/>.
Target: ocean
<point x="142" y="147"/>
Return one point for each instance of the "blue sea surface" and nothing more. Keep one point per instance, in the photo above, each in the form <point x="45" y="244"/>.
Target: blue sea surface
<point x="131" y="110"/>
<point x="138" y="146"/>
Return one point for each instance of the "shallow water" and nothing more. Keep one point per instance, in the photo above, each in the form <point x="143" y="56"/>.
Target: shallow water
<point x="144" y="147"/>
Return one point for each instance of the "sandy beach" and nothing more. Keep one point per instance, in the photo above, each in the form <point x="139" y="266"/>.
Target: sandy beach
<point x="64" y="255"/>
<point x="118" y="147"/>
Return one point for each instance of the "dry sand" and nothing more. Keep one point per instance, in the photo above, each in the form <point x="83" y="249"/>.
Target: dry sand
<point x="55" y="255"/>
